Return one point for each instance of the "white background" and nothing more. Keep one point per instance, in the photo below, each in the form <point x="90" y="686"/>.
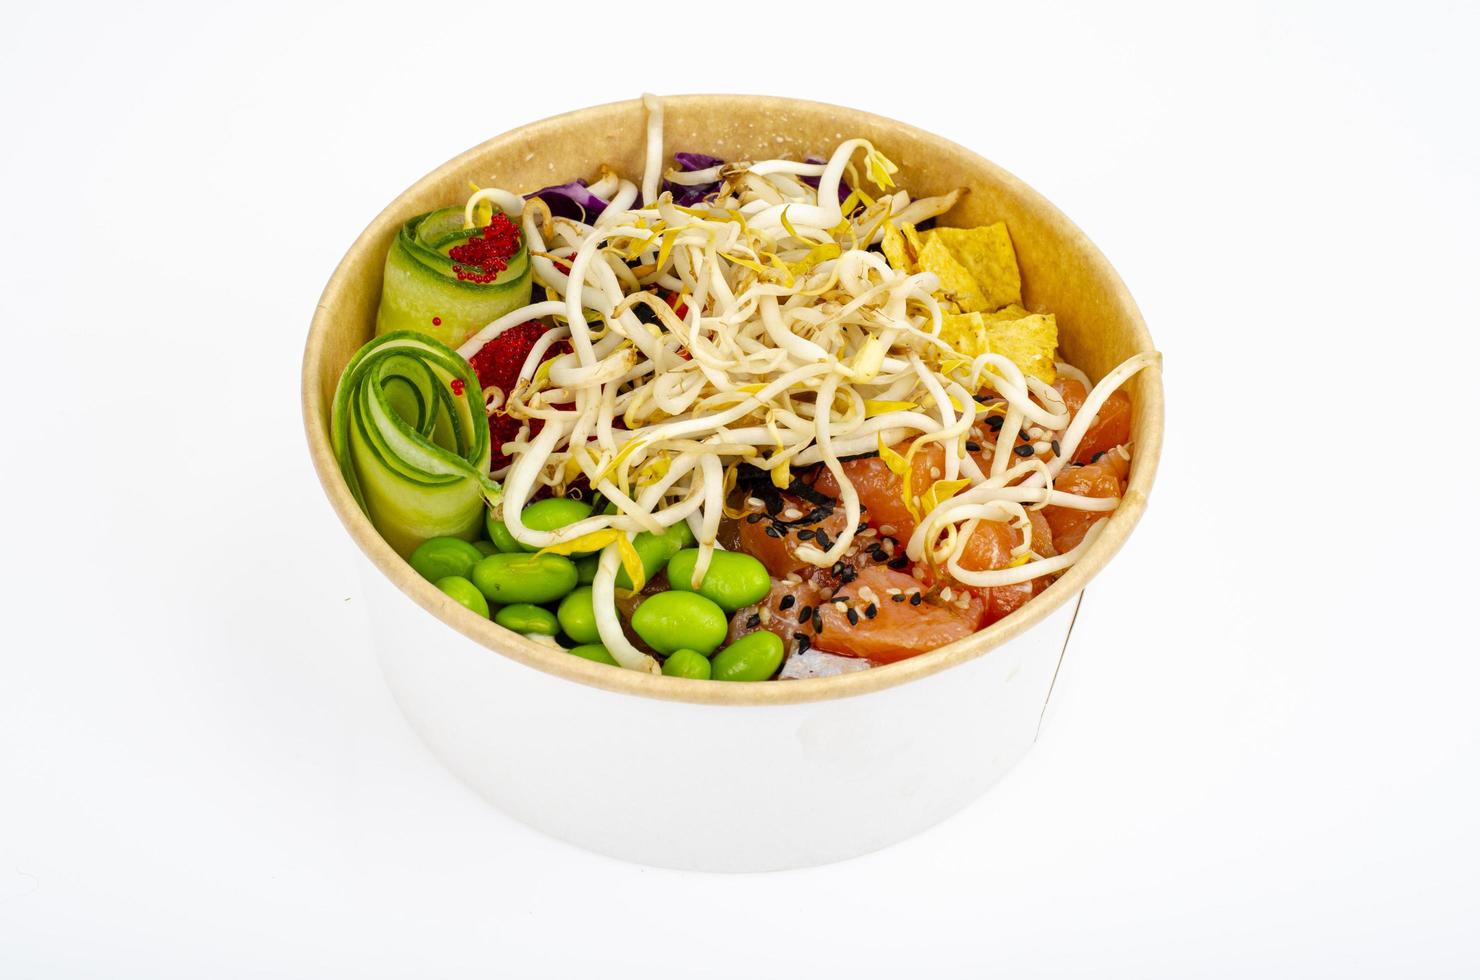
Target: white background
<point x="1266" y="763"/>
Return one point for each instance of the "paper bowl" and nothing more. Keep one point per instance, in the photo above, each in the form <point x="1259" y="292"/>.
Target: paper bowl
<point x="701" y="774"/>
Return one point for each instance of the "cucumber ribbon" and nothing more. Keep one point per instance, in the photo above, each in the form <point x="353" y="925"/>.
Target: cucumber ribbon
<point x="422" y="291"/>
<point x="410" y="434"/>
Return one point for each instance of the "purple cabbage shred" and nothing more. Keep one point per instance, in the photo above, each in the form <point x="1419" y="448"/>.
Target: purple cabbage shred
<point x="688" y="195"/>
<point x="573" y="200"/>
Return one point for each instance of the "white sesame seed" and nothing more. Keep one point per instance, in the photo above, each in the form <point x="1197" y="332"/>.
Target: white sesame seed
<point x="754" y="501"/>
<point x="947" y="594"/>
<point x="791" y="513"/>
<point x="765" y="614"/>
<point x="893" y="591"/>
<point x="887" y="530"/>
<point x="935" y="472"/>
<point x="841" y="606"/>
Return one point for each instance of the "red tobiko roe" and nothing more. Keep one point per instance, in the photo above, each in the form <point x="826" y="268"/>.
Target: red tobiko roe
<point x="483" y="256"/>
<point x="497" y="365"/>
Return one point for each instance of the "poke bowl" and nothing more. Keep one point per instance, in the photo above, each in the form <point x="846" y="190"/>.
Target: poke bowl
<point x="725" y="470"/>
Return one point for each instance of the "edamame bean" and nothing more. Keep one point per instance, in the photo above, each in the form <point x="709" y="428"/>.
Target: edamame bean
<point x="578" y="616"/>
<point x="553" y="513"/>
<point x="671" y="621"/>
<point x="687" y="663"/>
<point x="733" y="579"/>
<point x="465" y="592"/>
<point x="596" y="652"/>
<point x="679" y="536"/>
<point x="486" y="547"/>
<point x="655" y="550"/>
<point x="499" y="534"/>
<point x="522" y="617"/>
<point x="506" y="578"/>
<point x="549" y="514"/>
<point x="754" y="657"/>
<point x="586" y="569"/>
<point x="440" y="557"/>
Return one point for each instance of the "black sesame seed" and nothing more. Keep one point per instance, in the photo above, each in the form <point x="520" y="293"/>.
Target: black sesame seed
<point x="1054" y="445"/>
<point x="753" y="518"/>
<point x="787" y="601"/>
<point x="817" y="620"/>
<point x="848" y="574"/>
<point x="899" y="564"/>
<point x="915" y="598"/>
<point x="753" y="621"/>
<point x="823" y="541"/>
<point x="1096" y="457"/>
<point x="973" y="447"/>
<point x="1023" y="434"/>
<point x="1024" y="451"/>
<point x="804" y="534"/>
<point x="810" y="494"/>
<point x="860" y="529"/>
<point x="994" y="422"/>
<point x="805" y="614"/>
<point x="898" y="597"/>
<point x="773" y="531"/>
<point x="871" y="611"/>
<point x="803" y="641"/>
<point x="852" y="617"/>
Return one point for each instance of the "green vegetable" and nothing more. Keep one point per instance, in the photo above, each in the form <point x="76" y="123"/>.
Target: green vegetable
<point x="485" y="547"/>
<point x="549" y="514"/>
<point x="671" y="621"/>
<point x="733" y="579"/>
<point x="440" y="557"/>
<point x="524" y="578"/>
<point x="464" y="592"/>
<point x="420" y="286"/>
<point x="679" y="536"/>
<point x="754" y="657"/>
<point x="578" y="616"/>
<point x="596" y="652"/>
<point x="655" y="550"/>
<point x="553" y="513"/>
<point x="498" y="533"/>
<point x="521" y="617"/>
<point x="687" y="663"/>
<point x="586" y="569"/>
<point x="411" y="439"/>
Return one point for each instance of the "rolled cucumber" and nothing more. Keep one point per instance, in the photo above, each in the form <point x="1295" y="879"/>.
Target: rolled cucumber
<point x="422" y="290"/>
<point x="410" y="434"/>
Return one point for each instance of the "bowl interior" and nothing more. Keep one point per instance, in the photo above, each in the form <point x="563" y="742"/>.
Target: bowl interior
<point x="1063" y="273"/>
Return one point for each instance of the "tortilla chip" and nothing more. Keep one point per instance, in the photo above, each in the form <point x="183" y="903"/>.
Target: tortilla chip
<point x="987" y="254"/>
<point x="1029" y="340"/>
<point x="955" y="280"/>
<point x="895" y="248"/>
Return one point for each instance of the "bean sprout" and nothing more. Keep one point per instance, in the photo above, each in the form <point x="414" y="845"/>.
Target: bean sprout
<point x="768" y="334"/>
